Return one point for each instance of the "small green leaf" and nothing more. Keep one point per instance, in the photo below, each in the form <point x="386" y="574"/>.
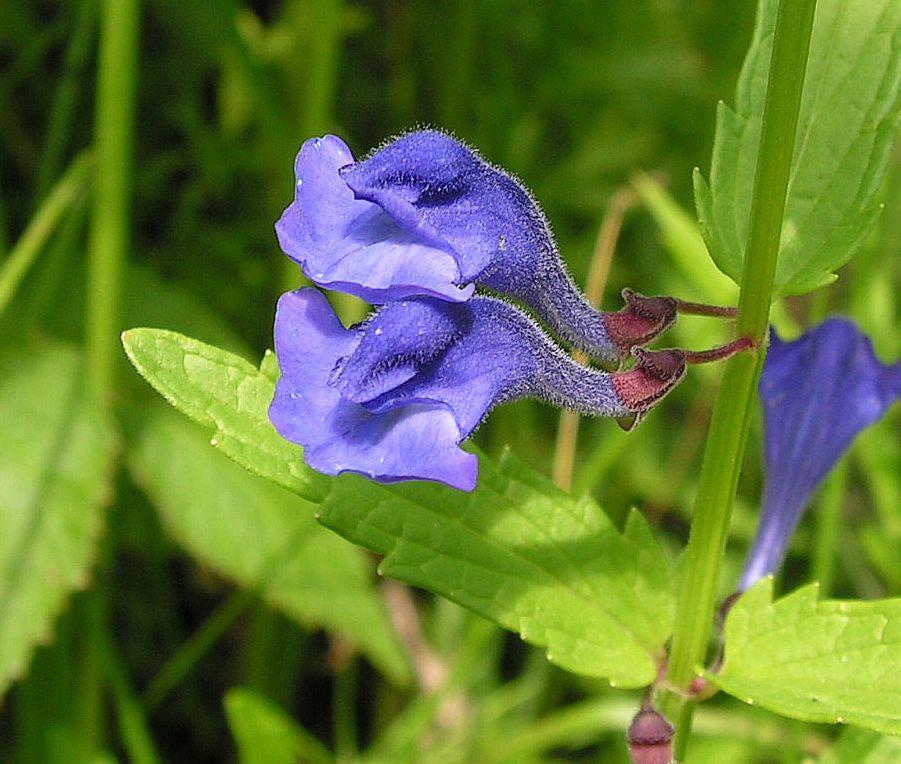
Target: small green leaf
<point x="861" y="747"/>
<point x="261" y="536"/>
<point x="827" y="661"/>
<point x="55" y="476"/>
<point x="224" y="392"/>
<point x="529" y="557"/>
<point x="846" y="130"/>
<point x="265" y="734"/>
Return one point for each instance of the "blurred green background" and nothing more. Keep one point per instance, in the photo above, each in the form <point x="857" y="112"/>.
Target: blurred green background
<point x="575" y="98"/>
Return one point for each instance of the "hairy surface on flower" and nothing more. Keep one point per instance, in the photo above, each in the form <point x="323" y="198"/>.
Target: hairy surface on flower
<point x="818" y="393"/>
<point x="425" y="215"/>
<point x="393" y="397"/>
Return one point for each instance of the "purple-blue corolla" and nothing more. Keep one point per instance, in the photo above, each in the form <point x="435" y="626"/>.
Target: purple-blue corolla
<point x="426" y="216"/>
<point x="393" y="397"/>
<point x="818" y="393"/>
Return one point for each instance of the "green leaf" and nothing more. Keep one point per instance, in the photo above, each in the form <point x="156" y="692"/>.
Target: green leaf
<point x="226" y="393"/>
<point x="55" y="477"/>
<point x="517" y="550"/>
<point x="846" y="129"/>
<point x="529" y="557"/>
<point x="827" y="661"/>
<point x="861" y="747"/>
<point x="265" y="734"/>
<point x="261" y="536"/>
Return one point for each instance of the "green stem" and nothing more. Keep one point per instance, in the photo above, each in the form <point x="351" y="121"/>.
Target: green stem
<point x="732" y="411"/>
<point x="114" y="127"/>
<point x="89" y="721"/>
<point x="62" y="198"/>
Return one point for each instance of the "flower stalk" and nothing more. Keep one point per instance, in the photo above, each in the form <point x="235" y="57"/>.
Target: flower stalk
<point x="732" y="410"/>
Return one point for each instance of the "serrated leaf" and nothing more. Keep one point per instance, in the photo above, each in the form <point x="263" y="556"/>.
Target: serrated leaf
<point x="861" y="747"/>
<point x="828" y="661"/>
<point x="265" y="734"/>
<point x="228" y="394"/>
<point x="261" y="536"/>
<point x="517" y="550"/>
<point x="846" y="130"/>
<point x="529" y="557"/>
<point x="55" y="475"/>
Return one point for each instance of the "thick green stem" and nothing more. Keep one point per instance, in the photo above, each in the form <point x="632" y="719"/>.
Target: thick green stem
<point x="114" y="128"/>
<point x="731" y="415"/>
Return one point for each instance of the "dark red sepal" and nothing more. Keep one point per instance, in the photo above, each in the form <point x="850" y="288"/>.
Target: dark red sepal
<point x="655" y="374"/>
<point x="659" y="371"/>
<point x="643" y="319"/>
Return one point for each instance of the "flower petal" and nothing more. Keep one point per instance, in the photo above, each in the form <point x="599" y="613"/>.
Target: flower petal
<point x="424" y="215"/>
<point x="415" y="442"/>
<point x="492" y="357"/>
<point x="354" y="245"/>
<point x="396" y="342"/>
<point x="436" y="188"/>
<point x="338" y="435"/>
<point x="818" y="393"/>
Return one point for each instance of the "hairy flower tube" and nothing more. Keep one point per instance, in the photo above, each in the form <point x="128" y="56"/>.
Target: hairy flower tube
<point x="425" y="215"/>
<point x="818" y="393"/>
<point x="393" y="397"/>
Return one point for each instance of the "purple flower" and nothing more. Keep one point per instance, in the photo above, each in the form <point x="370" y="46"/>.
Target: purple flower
<point x="818" y="393"/>
<point x="425" y="215"/>
<point x="393" y="397"/>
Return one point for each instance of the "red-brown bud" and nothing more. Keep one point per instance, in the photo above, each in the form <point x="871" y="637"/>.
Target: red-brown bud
<point x="650" y="738"/>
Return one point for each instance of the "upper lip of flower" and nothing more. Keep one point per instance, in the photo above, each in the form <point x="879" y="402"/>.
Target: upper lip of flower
<point x="346" y="242"/>
<point x="425" y="215"/>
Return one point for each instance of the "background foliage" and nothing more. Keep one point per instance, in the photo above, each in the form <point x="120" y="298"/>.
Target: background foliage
<point x="159" y="604"/>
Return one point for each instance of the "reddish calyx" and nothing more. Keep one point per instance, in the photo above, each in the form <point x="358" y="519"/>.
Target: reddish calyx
<point x="656" y="373"/>
<point x="643" y="319"/>
<point x="659" y="371"/>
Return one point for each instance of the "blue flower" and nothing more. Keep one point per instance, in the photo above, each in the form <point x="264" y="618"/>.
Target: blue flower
<point x="426" y="216"/>
<point x="818" y="393"/>
<point x="392" y="398"/>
